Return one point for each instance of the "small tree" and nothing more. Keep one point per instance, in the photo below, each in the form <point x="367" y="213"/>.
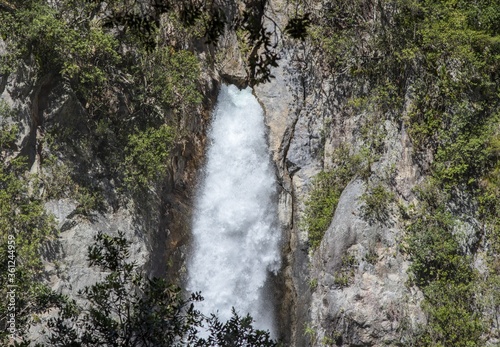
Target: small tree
<point x="129" y="310"/>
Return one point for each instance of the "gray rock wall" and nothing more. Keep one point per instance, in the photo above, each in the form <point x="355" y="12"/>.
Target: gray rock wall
<point x="308" y="119"/>
<point x="374" y="308"/>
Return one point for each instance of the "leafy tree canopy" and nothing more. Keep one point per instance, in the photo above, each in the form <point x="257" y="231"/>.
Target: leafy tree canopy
<point x="141" y="19"/>
<point x="127" y="309"/>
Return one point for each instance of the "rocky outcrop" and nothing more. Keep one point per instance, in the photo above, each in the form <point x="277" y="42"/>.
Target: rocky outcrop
<point x="352" y="290"/>
<point x="282" y="108"/>
<point x="373" y="307"/>
<point x="66" y="257"/>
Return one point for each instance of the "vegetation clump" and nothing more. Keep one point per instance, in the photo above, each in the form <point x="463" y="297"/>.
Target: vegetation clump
<point x="327" y="188"/>
<point x="345" y="275"/>
<point x="146" y="155"/>
<point x="376" y="201"/>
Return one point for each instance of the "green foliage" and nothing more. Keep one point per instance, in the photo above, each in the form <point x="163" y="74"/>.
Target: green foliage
<point x="88" y="200"/>
<point x="313" y="283"/>
<point x="345" y="275"/>
<point x="321" y="205"/>
<point x="126" y="75"/>
<point x="325" y="194"/>
<point x="24" y="227"/>
<point x="8" y="133"/>
<point x="443" y="269"/>
<point x="384" y="98"/>
<point x="376" y="201"/>
<point x="455" y="114"/>
<point x="311" y="333"/>
<point x="436" y="253"/>
<point x="452" y="112"/>
<point x="124" y="309"/>
<point x="59" y="47"/>
<point x="124" y="87"/>
<point x="238" y="331"/>
<point x="127" y="309"/>
<point x="171" y="79"/>
<point x="23" y="214"/>
<point x="205" y="20"/>
<point x="336" y="33"/>
<point x="452" y="320"/>
<point x="147" y="153"/>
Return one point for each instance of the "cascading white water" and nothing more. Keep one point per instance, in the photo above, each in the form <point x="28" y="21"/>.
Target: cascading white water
<point x="236" y="238"/>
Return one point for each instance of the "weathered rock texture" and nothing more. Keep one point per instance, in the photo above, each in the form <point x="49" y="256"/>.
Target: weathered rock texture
<point x="372" y="309"/>
<point x="307" y="114"/>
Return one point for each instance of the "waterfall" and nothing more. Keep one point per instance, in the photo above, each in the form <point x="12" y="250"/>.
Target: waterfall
<point x="235" y="230"/>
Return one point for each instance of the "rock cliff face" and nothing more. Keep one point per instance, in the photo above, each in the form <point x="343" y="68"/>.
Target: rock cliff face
<point x="370" y="310"/>
<point x="305" y="114"/>
<point x="352" y="289"/>
<point x="307" y="119"/>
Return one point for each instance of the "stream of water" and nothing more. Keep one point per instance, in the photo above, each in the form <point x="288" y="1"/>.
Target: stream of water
<point x="235" y="229"/>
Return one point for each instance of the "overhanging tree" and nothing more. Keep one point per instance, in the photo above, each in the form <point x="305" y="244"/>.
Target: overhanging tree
<point x="127" y="309"/>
